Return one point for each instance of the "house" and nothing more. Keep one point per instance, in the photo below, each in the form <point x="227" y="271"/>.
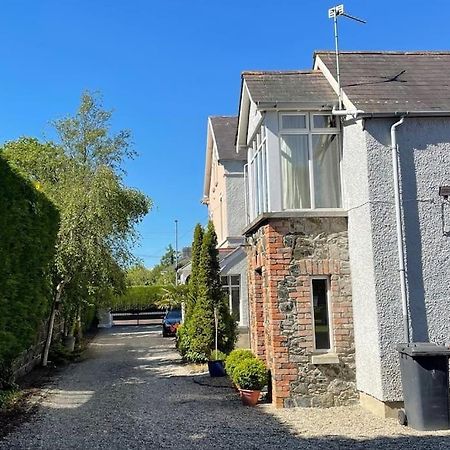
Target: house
<point x="329" y="298"/>
<point x="224" y="196"/>
<point x="223" y="193"/>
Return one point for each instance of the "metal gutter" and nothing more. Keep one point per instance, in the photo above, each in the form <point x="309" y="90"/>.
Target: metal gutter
<point x="360" y="114"/>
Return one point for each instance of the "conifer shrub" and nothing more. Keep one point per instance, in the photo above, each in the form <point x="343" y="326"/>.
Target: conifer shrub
<point x="200" y="325"/>
<point x="183" y="333"/>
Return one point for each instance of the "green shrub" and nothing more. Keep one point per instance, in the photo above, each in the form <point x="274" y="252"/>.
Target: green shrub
<point x="217" y="356"/>
<point x="28" y="232"/>
<point x="9" y="397"/>
<point x="182" y="340"/>
<point x="235" y="357"/>
<point x="137" y="298"/>
<point x="251" y="373"/>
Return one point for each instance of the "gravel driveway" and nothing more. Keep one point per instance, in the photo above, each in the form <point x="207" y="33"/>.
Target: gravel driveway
<point x="133" y="393"/>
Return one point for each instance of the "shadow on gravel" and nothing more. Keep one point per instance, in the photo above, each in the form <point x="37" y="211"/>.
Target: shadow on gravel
<point x="139" y="398"/>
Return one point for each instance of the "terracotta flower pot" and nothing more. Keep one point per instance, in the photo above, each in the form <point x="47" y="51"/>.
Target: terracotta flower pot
<point x="249" y="397"/>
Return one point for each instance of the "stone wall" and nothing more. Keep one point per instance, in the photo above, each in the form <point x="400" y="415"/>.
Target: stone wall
<point x="32" y="357"/>
<point x="283" y="256"/>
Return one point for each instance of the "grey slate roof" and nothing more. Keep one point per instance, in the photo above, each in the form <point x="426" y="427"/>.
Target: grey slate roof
<point x="290" y="87"/>
<point x="383" y="82"/>
<point x="225" y="129"/>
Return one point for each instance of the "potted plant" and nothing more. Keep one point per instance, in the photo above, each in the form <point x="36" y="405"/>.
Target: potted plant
<point x="234" y="358"/>
<point x="251" y="376"/>
<point x="216" y="360"/>
<point x="216" y="364"/>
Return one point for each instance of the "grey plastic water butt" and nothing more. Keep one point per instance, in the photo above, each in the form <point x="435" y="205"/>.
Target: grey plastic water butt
<point x="424" y="369"/>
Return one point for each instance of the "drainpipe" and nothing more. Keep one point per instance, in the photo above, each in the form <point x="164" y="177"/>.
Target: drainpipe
<point x="398" y="219"/>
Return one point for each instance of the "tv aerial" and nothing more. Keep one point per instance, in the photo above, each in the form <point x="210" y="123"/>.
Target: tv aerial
<point x="334" y="13"/>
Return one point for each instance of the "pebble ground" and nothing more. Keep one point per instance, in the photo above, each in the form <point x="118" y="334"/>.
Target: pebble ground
<point x="132" y="392"/>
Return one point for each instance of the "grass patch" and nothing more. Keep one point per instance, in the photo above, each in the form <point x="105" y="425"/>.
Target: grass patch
<point x="9" y="397"/>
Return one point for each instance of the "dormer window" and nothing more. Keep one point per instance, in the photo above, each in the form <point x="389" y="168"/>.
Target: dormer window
<point x="310" y="161"/>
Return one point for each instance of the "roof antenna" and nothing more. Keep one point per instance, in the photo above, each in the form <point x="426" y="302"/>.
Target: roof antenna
<point x="333" y="13"/>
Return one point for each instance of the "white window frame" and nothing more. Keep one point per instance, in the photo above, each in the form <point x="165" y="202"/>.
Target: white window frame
<point x="309" y="130"/>
<point x="258" y="175"/>
<point x="229" y="287"/>
<point x="330" y="315"/>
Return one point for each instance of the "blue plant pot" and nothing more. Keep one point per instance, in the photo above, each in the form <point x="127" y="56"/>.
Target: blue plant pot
<point x="216" y="369"/>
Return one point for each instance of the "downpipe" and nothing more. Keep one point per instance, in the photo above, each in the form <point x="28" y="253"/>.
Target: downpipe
<point x="398" y="220"/>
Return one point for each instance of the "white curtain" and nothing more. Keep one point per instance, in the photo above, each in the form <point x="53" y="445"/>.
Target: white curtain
<point x="295" y="171"/>
<point x="327" y="180"/>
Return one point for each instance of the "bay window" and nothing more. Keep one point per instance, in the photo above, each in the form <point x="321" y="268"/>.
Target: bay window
<point x="258" y="201"/>
<point x="310" y="161"/>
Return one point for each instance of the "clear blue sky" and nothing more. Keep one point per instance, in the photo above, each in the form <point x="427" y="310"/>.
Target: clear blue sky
<point x="165" y="65"/>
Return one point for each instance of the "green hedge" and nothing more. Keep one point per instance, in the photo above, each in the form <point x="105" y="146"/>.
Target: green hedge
<point x="28" y="232"/>
<point x="137" y="298"/>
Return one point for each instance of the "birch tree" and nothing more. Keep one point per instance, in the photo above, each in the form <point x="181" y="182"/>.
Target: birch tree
<point x="83" y="176"/>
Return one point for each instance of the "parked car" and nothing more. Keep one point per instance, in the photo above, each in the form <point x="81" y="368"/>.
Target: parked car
<point x="171" y="322"/>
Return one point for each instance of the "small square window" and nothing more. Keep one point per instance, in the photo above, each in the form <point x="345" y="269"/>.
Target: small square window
<point x="293" y="121"/>
<point x="235" y="280"/>
<point x="324" y="121"/>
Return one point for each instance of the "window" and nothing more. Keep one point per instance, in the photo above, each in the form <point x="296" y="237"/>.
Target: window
<point x="231" y="286"/>
<point x="310" y="161"/>
<point x="321" y="314"/>
<point x="257" y="175"/>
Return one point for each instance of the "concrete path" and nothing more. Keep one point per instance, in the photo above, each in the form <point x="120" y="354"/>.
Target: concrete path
<point x="133" y="393"/>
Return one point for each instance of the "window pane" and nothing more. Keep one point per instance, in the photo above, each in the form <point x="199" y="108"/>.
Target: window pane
<point x="294" y="121"/>
<point x="321" y="121"/>
<point x="257" y="182"/>
<point x="327" y="178"/>
<point x="320" y="308"/>
<point x="235" y="280"/>
<point x="235" y="304"/>
<point x="295" y="171"/>
<point x="224" y="281"/>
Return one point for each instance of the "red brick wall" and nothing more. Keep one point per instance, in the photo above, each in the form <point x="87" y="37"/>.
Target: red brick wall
<point x="283" y="255"/>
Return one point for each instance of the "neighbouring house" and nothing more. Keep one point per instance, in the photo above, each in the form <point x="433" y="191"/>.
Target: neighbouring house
<point x="325" y="289"/>
<point x="224" y="195"/>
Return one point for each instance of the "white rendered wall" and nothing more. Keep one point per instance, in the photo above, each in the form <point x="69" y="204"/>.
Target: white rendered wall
<point x="424" y="146"/>
<point x="254" y="119"/>
<point x="237" y="265"/>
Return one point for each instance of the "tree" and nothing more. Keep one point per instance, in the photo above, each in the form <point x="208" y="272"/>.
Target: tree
<point x="200" y="328"/>
<point x="138" y="275"/>
<point x="164" y="273"/>
<point x="195" y="260"/>
<point x="83" y="177"/>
